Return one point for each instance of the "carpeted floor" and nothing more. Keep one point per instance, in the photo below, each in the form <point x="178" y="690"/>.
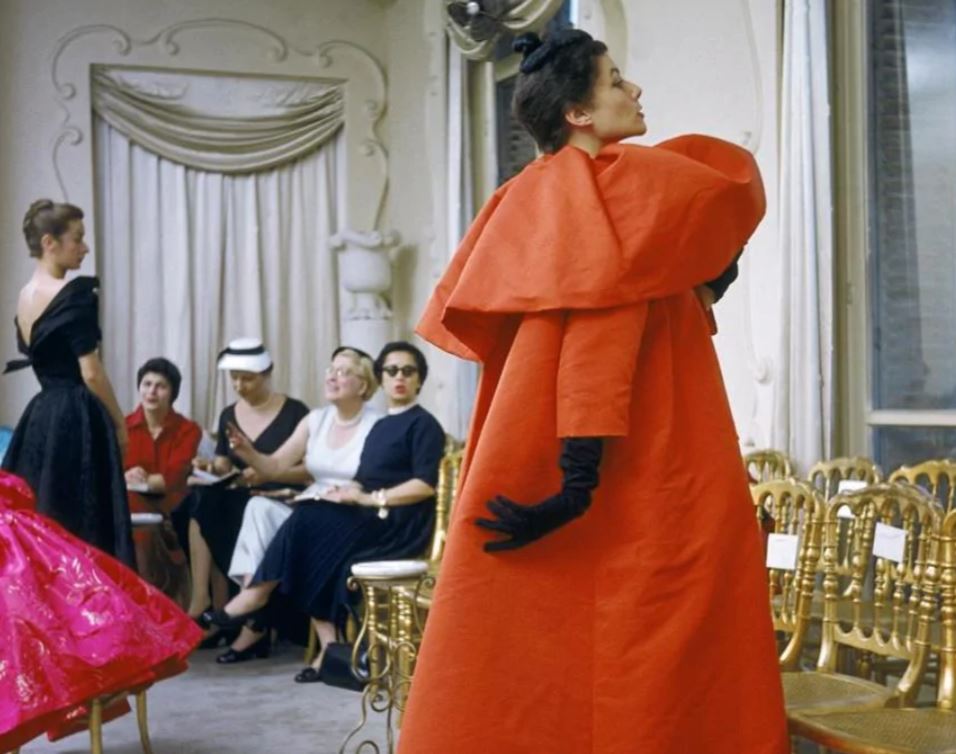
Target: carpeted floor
<point x="251" y="708"/>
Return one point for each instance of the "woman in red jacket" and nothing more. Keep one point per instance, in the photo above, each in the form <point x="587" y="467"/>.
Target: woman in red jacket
<point x="158" y="461"/>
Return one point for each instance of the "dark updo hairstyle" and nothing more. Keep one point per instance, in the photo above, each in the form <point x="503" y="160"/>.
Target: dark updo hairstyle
<point x="404" y="347"/>
<point x="556" y="74"/>
<point x="165" y="369"/>
<point x="46" y="216"/>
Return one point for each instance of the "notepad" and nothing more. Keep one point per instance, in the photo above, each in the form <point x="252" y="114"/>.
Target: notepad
<point x="207" y="479"/>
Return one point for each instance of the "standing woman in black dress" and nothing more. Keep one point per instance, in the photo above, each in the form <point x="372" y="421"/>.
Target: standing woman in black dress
<point x="70" y="441"/>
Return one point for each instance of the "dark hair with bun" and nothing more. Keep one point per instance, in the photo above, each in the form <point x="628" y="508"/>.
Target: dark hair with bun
<point x="556" y="73"/>
<point x="46" y="216"/>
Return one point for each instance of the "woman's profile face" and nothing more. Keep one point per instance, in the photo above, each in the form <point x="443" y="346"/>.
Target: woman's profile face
<point x="68" y="249"/>
<point x="342" y="380"/>
<point x="247" y="384"/>
<point x="155" y="392"/>
<point x="614" y="112"/>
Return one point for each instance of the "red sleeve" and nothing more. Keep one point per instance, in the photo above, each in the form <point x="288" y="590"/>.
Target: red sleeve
<point x="596" y="371"/>
<point x="178" y="461"/>
<point x="137" y="451"/>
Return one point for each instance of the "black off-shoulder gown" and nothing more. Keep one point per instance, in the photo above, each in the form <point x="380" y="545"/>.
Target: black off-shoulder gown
<point x="65" y="443"/>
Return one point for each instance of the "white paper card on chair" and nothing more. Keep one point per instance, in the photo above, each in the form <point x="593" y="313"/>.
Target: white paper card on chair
<point x="782" y="551"/>
<point x="889" y="542"/>
<point x="850" y="485"/>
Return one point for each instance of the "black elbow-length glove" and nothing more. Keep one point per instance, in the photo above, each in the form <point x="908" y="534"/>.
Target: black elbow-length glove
<point x="720" y="284"/>
<point x="522" y="524"/>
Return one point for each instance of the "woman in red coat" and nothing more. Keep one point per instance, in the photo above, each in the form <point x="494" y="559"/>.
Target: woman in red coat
<point x="611" y="597"/>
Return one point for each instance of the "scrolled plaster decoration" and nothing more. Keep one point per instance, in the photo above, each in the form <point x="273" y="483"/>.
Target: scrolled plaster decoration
<point x="72" y="136"/>
<point x="366" y="74"/>
<point x="374" y="107"/>
<point x="166" y="39"/>
<point x="122" y="42"/>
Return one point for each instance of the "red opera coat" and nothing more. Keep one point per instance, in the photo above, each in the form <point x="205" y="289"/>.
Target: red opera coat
<point x="642" y="626"/>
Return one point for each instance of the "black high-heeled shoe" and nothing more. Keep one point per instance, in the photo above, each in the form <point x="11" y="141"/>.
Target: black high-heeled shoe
<point x="260" y="649"/>
<point x="222" y="638"/>
<point x="221" y="618"/>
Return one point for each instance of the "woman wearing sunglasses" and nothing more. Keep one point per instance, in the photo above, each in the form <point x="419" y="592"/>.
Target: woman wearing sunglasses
<point x="387" y="511"/>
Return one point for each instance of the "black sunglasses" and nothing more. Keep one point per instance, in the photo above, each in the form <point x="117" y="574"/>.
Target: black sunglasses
<point x="407" y="371"/>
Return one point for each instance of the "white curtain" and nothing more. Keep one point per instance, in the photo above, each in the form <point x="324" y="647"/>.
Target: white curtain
<point x="461" y="210"/>
<point x="190" y="259"/>
<point x="803" y="410"/>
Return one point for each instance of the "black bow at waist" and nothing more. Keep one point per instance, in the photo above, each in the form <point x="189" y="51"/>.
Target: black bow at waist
<point x="17" y="364"/>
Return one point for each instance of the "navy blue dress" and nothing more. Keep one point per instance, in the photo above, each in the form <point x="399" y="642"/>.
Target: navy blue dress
<point x="314" y="550"/>
<point x="65" y="444"/>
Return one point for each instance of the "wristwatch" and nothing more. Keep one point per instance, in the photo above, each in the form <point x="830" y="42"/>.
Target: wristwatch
<point x="381" y="500"/>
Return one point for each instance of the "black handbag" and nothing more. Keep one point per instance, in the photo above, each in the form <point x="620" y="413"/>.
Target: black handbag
<point x="336" y="668"/>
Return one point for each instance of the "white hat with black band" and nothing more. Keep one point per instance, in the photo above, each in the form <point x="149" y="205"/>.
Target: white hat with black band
<point x="244" y="355"/>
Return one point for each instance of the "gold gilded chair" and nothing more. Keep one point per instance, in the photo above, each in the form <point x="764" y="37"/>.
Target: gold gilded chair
<point x="895" y="730"/>
<point x="825" y="476"/>
<point x="448" y="472"/>
<point x="879" y="607"/>
<point x="764" y="465"/>
<point x="396" y="596"/>
<point x="937" y="477"/>
<point x="93" y="719"/>
<point x="793" y="509"/>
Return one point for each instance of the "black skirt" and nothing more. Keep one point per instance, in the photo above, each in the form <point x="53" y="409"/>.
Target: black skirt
<point x="314" y="550"/>
<point x="218" y="511"/>
<point x="65" y="447"/>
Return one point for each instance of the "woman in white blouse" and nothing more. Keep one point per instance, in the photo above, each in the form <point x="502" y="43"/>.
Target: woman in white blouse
<point x="329" y="441"/>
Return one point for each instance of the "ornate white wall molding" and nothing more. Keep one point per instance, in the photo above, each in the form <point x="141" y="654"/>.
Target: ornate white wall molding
<point x="192" y="44"/>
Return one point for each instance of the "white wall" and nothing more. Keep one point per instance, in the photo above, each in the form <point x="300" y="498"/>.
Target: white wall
<point x="705" y="65"/>
<point x="31" y="115"/>
<point x="710" y="66"/>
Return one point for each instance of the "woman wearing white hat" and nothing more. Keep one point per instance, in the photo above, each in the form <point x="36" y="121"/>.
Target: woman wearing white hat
<point x="269" y="418"/>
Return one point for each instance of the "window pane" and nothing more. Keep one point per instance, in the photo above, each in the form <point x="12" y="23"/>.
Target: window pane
<point x="898" y="446"/>
<point x="913" y="267"/>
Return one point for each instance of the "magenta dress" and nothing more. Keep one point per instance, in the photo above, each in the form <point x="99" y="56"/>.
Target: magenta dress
<point x="75" y="624"/>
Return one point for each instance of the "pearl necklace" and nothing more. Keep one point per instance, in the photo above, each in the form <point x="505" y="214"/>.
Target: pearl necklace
<point x="348" y="422"/>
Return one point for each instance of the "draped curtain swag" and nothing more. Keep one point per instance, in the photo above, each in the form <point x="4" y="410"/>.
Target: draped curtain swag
<point x="216" y="123"/>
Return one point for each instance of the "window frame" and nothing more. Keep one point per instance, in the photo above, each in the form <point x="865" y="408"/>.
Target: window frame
<point x="857" y="419"/>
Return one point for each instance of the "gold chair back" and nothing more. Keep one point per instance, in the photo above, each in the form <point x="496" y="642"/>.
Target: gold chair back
<point x="764" y="465"/>
<point x="946" y="693"/>
<point x="891" y="604"/>
<point x="937" y="477"/>
<point x="825" y="476"/>
<point x="448" y="473"/>
<point x="792" y="508"/>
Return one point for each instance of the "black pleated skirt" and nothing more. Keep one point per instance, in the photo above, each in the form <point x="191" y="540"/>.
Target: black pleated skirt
<point x="314" y="550"/>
